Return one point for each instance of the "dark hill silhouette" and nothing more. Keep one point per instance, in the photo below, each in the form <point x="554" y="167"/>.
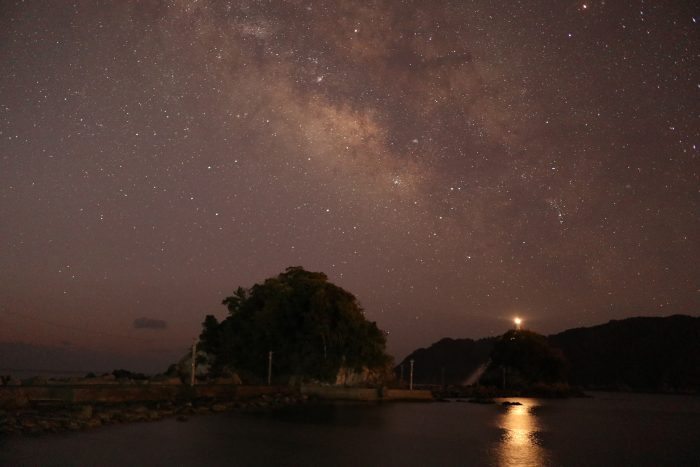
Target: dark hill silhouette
<point x="643" y="354"/>
<point x="459" y="358"/>
<point x="640" y="354"/>
<point x="529" y="358"/>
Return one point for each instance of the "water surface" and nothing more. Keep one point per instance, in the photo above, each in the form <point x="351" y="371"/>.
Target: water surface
<point x="609" y="429"/>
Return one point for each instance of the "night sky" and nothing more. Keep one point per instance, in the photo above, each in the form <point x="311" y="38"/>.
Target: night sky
<point x="451" y="163"/>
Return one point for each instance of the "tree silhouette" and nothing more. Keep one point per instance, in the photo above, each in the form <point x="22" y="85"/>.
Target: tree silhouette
<point x="528" y="357"/>
<point x="313" y="327"/>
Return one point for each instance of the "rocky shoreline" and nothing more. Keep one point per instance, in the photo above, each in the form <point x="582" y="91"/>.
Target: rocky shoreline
<point x="40" y="419"/>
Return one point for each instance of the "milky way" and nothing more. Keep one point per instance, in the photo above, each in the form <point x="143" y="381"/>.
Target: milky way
<point x="451" y="163"/>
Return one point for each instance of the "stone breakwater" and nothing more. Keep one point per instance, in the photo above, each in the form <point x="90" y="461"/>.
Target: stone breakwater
<point x="52" y="417"/>
<point x="22" y="396"/>
<point x="61" y="406"/>
<point x="379" y="394"/>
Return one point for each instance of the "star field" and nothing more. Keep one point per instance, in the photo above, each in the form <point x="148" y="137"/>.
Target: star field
<point x="450" y="163"/>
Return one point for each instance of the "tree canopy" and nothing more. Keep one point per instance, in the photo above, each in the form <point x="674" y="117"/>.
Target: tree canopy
<point x="529" y="358"/>
<point x="312" y="326"/>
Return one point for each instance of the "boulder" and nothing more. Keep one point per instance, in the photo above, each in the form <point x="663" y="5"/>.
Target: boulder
<point x="94" y="422"/>
<point x="140" y="409"/>
<point x="72" y="425"/>
<point x="84" y="412"/>
<point x="28" y="424"/>
<point x="46" y="425"/>
<point x="13" y="399"/>
<point x="218" y="408"/>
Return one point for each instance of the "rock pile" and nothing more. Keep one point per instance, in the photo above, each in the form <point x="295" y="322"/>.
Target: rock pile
<point x="51" y="418"/>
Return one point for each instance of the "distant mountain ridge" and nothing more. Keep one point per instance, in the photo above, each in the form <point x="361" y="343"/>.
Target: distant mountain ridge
<point x="644" y="353"/>
<point x="22" y="360"/>
<point x="641" y="354"/>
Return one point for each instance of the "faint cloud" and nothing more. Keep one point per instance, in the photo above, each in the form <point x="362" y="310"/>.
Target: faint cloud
<point x="149" y="323"/>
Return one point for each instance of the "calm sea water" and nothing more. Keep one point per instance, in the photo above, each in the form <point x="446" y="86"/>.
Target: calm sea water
<point x="606" y="430"/>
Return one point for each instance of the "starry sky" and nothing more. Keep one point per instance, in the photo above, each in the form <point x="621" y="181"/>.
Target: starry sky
<point x="452" y="163"/>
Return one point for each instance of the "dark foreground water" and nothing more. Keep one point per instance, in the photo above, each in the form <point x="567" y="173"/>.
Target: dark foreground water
<point x="607" y="430"/>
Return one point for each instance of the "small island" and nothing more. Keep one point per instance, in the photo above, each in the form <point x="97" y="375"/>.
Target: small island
<point x="301" y="327"/>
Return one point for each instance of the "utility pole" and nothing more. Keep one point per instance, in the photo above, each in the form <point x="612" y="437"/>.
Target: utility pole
<point x="269" y="367"/>
<point x="410" y="383"/>
<point x="194" y="362"/>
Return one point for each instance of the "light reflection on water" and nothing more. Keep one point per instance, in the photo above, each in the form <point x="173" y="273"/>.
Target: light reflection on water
<point x="520" y="444"/>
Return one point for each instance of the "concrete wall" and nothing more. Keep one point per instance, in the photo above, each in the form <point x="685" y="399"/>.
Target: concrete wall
<point x="406" y="395"/>
<point x="365" y="394"/>
<point x="341" y="393"/>
<point x="17" y="396"/>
